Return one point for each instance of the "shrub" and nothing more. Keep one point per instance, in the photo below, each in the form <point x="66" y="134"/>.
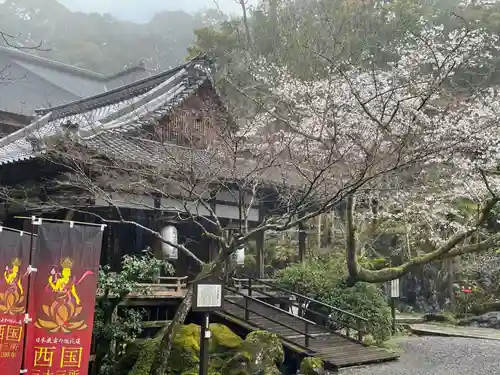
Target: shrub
<point x="323" y="278"/>
<point x="365" y="300"/>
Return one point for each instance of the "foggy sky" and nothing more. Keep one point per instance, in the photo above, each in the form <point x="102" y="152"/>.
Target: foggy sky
<point x="143" y="10"/>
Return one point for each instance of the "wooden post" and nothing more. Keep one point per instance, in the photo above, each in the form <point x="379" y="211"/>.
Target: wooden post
<point x="302" y="242"/>
<point x="260" y="240"/>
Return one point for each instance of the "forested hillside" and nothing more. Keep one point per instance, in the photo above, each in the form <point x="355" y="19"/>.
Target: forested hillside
<point x="100" y="42"/>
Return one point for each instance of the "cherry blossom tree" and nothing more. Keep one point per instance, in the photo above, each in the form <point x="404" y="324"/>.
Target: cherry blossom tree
<point x="417" y="135"/>
<point x="399" y="134"/>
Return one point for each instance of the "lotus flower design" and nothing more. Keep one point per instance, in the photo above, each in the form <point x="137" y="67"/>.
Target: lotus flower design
<point x="12" y="299"/>
<point x="62" y="316"/>
<point x="11" y="302"/>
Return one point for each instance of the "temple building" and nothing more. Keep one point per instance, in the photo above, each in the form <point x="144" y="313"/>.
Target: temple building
<point x="29" y="82"/>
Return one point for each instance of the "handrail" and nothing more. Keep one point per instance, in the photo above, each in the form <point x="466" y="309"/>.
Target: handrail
<point x="180" y="278"/>
<point x="246" y="279"/>
<point x="245" y="308"/>
<point x="283" y="338"/>
<point x="312" y="311"/>
<point x="271" y="306"/>
<point x="312" y="300"/>
<point x="273" y="320"/>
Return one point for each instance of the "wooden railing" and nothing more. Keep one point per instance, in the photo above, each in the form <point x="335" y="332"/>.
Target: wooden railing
<point x="164" y="287"/>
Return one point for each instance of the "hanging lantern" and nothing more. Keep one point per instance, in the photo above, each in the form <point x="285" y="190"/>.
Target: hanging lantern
<point x="239" y="256"/>
<point x="169" y="233"/>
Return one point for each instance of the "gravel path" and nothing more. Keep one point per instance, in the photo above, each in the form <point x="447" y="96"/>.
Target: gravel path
<point x="439" y="356"/>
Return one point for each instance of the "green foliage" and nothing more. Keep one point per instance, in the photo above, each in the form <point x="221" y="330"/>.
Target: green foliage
<point x="311" y="365"/>
<point x="280" y="253"/>
<point x="120" y="326"/>
<point x="313" y="277"/>
<point x="146" y="357"/>
<point x="324" y="279"/>
<point x="127" y="360"/>
<point x="365" y="300"/>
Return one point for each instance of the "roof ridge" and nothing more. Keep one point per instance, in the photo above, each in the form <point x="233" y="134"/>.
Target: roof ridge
<point x="55" y="63"/>
<point x="136" y="67"/>
<point x="25" y="131"/>
<point x="133" y="87"/>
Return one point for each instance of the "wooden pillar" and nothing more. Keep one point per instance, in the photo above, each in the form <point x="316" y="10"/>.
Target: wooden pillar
<point x="260" y="240"/>
<point x="302" y="242"/>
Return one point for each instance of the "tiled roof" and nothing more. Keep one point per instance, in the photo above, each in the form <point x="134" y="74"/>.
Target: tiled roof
<point x="129" y="152"/>
<point x="122" y="109"/>
<point x="30" y="82"/>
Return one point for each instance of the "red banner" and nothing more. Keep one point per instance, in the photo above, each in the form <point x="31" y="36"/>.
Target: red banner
<point x="62" y="299"/>
<point x="14" y="258"/>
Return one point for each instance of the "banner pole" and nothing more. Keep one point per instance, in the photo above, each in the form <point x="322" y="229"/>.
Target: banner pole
<point x="13" y="230"/>
<point x="27" y="319"/>
<point x="60" y="221"/>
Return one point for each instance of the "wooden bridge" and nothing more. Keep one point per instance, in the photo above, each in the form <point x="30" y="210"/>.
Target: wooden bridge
<point x="283" y="313"/>
<point x="256" y="304"/>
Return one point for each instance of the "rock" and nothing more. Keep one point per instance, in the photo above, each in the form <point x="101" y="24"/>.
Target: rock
<point x="312" y="366"/>
<point x="436" y="318"/>
<point x="270" y="342"/>
<point x="488" y="320"/>
<point x="259" y="354"/>
<point x="368" y="339"/>
<point x="185" y="349"/>
<point x="223" y="339"/>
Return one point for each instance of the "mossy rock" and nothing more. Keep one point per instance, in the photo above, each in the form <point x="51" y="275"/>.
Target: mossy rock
<point x="261" y="351"/>
<point x="223" y="339"/>
<point x="239" y="364"/>
<point x="369" y="340"/>
<point x="270" y="370"/>
<point x="271" y="342"/>
<point x="185" y="351"/>
<point x="312" y="366"/>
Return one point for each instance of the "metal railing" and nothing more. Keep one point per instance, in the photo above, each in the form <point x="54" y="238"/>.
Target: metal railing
<point x="341" y="319"/>
<point x="245" y="306"/>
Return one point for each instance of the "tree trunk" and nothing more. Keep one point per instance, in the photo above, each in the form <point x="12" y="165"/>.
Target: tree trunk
<point x="245" y="22"/>
<point x="319" y="232"/>
<point x="216" y="269"/>
<point x="453" y="247"/>
<point x="159" y="366"/>
<point x="352" y="256"/>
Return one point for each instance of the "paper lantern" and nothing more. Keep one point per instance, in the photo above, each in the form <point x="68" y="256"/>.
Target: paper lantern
<point x="169" y="233"/>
